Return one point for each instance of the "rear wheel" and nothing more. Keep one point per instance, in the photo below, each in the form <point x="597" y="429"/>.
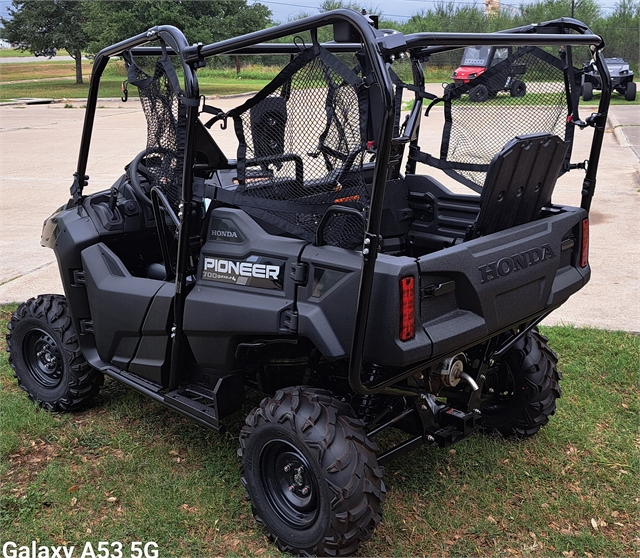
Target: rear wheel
<point x="630" y="91"/>
<point x="45" y="355"/>
<point x="518" y="88"/>
<point x="524" y="386"/>
<point x="311" y="473"/>
<point x="587" y="91"/>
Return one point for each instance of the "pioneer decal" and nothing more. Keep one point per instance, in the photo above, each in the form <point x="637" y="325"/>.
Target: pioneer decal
<point x="255" y="271"/>
<point x="225" y="230"/>
<point x="511" y="264"/>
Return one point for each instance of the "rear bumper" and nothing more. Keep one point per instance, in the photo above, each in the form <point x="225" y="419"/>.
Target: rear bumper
<point x="474" y="290"/>
<point x="492" y="283"/>
<point x="501" y="280"/>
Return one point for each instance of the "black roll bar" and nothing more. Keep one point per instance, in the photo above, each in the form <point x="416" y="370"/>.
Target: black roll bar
<point x="178" y="43"/>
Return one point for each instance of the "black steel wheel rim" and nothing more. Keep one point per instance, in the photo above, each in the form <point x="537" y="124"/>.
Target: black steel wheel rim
<point x="289" y="484"/>
<point x="43" y="358"/>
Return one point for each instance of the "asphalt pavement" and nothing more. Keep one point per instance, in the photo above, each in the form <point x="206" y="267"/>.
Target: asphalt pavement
<point x="38" y="154"/>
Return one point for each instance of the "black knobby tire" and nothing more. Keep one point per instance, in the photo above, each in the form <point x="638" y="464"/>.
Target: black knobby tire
<point x="630" y="91"/>
<point x="587" y="91"/>
<point x="479" y="94"/>
<point x="518" y="88"/>
<point x="525" y="387"/>
<point x="45" y="354"/>
<point x="336" y="501"/>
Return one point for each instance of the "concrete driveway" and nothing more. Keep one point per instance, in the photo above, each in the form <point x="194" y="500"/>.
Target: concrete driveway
<point x="38" y="153"/>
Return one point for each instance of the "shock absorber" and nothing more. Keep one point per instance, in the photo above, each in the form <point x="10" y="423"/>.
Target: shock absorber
<point x="368" y="408"/>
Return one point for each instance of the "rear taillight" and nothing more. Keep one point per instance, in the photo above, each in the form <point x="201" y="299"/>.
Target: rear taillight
<point x="584" y="246"/>
<point x="407" y="308"/>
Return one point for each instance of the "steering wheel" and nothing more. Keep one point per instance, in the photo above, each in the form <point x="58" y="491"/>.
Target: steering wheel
<point x="136" y="168"/>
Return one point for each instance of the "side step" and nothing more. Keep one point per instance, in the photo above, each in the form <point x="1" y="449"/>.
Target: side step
<point x="209" y="406"/>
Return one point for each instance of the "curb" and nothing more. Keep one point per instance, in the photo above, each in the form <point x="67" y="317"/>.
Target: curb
<point x="35" y="101"/>
<point x="616" y="128"/>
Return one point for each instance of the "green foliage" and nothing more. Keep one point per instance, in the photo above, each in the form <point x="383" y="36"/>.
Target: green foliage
<point x="206" y="21"/>
<point x="620" y="30"/>
<point x="89" y="26"/>
<point x="447" y="17"/>
<point x="39" y="25"/>
<point x="586" y="11"/>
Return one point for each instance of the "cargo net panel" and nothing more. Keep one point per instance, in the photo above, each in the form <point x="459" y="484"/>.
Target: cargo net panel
<point x="301" y="151"/>
<point x="523" y="94"/>
<point x="166" y="124"/>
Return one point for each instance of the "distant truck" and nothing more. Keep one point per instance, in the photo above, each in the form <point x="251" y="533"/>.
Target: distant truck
<point x="476" y="60"/>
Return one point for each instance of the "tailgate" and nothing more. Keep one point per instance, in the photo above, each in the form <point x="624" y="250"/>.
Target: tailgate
<point x="486" y="285"/>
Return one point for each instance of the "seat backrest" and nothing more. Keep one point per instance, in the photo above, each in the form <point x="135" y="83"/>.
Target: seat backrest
<point x="519" y="182"/>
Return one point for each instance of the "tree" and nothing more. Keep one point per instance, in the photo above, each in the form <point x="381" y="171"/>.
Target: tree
<point x="620" y="30"/>
<point x="328" y="5"/>
<point x="205" y="21"/>
<point x="448" y="17"/>
<point x="586" y="11"/>
<point x="40" y="25"/>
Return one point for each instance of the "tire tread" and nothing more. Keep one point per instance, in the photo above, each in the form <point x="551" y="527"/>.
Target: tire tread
<point x="354" y="477"/>
<point x="84" y="381"/>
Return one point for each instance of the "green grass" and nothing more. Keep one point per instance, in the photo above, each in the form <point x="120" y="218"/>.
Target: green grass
<point x="129" y="469"/>
<point x="616" y="99"/>
<point x="41" y="70"/>
<point x="44" y="84"/>
<point x="212" y="82"/>
<point x="112" y="88"/>
<point x="12" y="53"/>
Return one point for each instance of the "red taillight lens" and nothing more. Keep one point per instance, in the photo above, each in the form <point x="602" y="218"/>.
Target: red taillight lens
<point x="407" y="308"/>
<point x="584" y="247"/>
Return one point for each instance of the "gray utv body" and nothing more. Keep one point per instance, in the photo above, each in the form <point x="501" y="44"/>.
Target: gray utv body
<point x="322" y="263"/>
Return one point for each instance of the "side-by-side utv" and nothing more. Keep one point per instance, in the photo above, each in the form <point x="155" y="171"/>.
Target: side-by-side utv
<point x="477" y="60"/>
<point x="322" y="264"/>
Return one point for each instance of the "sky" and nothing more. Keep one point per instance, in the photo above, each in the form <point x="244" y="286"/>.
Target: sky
<point x="399" y="10"/>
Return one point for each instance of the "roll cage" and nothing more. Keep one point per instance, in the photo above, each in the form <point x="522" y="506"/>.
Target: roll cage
<point x="379" y="49"/>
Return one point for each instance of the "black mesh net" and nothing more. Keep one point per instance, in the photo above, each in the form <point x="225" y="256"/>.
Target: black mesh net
<point x="523" y="94"/>
<point x="166" y="122"/>
<point x="301" y="150"/>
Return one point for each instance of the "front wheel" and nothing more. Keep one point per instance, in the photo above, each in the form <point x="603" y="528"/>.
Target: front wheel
<point x="479" y="93"/>
<point x="311" y="473"/>
<point x="523" y="387"/>
<point x="630" y="91"/>
<point x="45" y="355"/>
<point x="587" y="91"/>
